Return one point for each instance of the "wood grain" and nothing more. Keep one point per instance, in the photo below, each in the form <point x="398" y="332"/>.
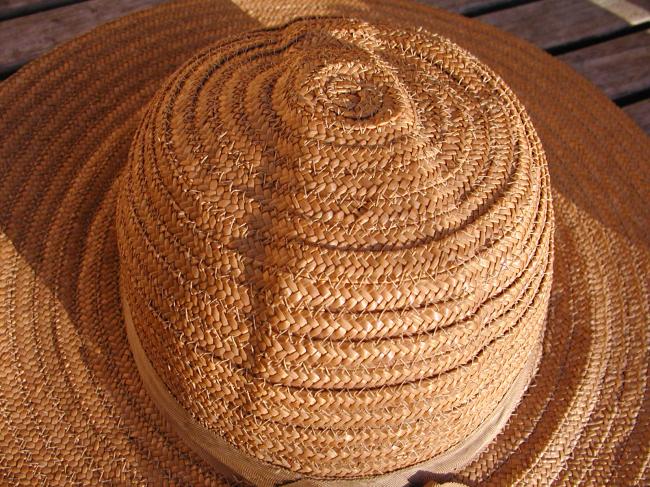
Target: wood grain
<point x="24" y="38"/>
<point x="14" y="8"/>
<point x="619" y="67"/>
<point x="553" y="23"/>
<point x="640" y="113"/>
<point x="466" y="6"/>
<point x="641" y="3"/>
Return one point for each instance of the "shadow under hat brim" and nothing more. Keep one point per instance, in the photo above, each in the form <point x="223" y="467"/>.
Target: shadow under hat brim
<point x="72" y="406"/>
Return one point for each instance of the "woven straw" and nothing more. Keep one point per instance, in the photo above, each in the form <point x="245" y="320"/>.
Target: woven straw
<point x="336" y="239"/>
<point x="333" y="235"/>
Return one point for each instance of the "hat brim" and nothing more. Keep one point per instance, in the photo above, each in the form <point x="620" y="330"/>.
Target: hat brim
<point x="72" y="406"/>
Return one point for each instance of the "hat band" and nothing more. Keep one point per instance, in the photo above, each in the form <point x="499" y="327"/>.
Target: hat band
<point x="228" y="460"/>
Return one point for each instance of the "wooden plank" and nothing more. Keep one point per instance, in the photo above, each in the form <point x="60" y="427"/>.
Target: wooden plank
<point x="641" y="3"/>
<point x="640" y="113"/>
<point x="553" y="23"/>
<point x="620" y="67"/>
<point x="15" y="8"/>
<point x="24" y="38"/>
<point x="633" y="13"/>
<point x="470" y="7"/>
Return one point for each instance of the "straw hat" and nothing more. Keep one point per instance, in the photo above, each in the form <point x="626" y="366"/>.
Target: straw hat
<point x="353" y="243"/>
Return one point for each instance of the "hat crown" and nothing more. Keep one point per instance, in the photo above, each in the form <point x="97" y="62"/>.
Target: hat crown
<point x="336" y="242"/>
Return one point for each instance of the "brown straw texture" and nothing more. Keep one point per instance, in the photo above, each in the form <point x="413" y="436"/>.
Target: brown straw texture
<point x="225" y="458"/>
<point x="335" y="241"/>
<point x="73" y="409"/>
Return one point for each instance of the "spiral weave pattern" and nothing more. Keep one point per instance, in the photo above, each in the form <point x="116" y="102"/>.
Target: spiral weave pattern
<point x="335" y="238"/>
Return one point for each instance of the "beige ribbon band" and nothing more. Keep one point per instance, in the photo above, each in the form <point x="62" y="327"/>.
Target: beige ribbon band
<point x="226" y="459"/>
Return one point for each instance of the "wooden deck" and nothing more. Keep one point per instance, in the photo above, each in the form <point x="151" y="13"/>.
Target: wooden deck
<point x="608" y="41"/>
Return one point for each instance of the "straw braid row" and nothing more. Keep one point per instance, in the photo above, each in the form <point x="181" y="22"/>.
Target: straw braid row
<point x="336" y="242"/>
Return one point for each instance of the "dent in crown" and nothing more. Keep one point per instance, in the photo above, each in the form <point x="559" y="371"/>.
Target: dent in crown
<point x="335" y="240"/>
